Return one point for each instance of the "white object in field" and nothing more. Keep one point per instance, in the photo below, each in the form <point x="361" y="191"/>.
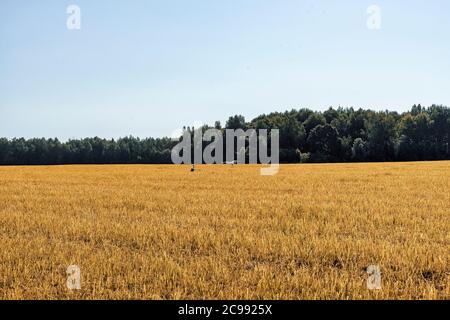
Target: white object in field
<point x="73" y="277"/>
<point x="374" y="278"/>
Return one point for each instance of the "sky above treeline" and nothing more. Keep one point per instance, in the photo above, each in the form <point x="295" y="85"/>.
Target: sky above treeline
<point x="146" y="68"/>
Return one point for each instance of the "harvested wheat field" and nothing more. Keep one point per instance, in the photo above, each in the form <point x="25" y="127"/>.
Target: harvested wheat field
<point x="225" y="232"/>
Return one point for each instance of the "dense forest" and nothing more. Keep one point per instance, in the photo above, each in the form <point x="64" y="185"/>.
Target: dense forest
<point x="335" y="135"/>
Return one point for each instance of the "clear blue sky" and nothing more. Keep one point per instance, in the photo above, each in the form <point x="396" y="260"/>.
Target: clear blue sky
<point x="149" y="67"/>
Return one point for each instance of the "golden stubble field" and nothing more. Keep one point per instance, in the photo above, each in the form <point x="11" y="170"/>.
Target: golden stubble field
<point x="225" y="232"/>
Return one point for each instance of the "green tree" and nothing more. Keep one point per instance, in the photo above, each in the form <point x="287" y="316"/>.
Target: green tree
<point x="323" y="143"/>
<point x="235" y="122"/>
<point x="313" y="121"/>
<point x="359" y="150"/>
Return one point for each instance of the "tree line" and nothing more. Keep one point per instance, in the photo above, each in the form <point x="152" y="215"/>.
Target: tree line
<point x="334" y="135"/>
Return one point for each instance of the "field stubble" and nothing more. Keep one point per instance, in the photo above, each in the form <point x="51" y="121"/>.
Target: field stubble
<point x="225" y="232"/>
